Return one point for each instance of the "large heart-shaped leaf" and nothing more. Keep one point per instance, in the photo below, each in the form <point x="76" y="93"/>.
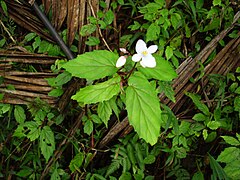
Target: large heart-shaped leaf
<point x="93" y="65"/>
<point x="143" y="108"/>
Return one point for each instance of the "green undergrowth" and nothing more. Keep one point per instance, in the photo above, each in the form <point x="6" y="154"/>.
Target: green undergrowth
<point x="203" y="145"/>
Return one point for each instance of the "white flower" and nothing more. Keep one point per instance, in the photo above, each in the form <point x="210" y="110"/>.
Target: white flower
<point x="121" y="61"/>
<point x="123" y="50"/>
<point x="144" y="54"/>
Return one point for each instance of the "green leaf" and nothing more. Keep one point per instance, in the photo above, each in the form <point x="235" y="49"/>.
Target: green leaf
<point x="184" y="127"/>
<point x="175" y="19"/>
<point x="1" y="80"/>
<point x="95" y="119"/>
<point x="87" y="29"/>
<point x="169" y="52"/>
<point x="215" y="24"/>
<point x="100" y="92"/>
<point x="59" y="119"/>
<point x="76" y="162"/>
<point x="88" y="127"/>
<point x="98" y="177"/>
<point x="109" y="17"/>
<point x="37" y="42"/>
<point x="55" y="175"/>
<point x="237" y="104"/>
<point x="234" y="34"/>
<point x="205" y="134"/>
<point x="25" y="172"/>
<point x="196" y="100"/>
<point x="104" y="111"/>
<point x="43" y="46"/>
<point x="121" y="2"/>
<point x="93" y="65"/>
<point x="149" y="159"/>
<point x="211" y="137"/>
<point x="217" y="2"/>
<point x="237" y="91"/>
<point x="153" y="32"/>
<point x="2" y="42"/>
<point x="19" y="114"/>
<point x="232" y="169"/>
<point x="181" y="152"/>
<point x="217" y="169"/>
<point x="62" y="78"/>
<point x="198" y="176"/>
<point x="4" y="7"/>
<point x="34" y="130"/>
<point x="126" y="176"/>
<point x="163" y="70"/>
<point x="167" y="89"/>
<point x="30" y="36"/>
<point x="47" y="142"/>
<point x="217" y="114"/>
<point x="135" y="26"/>
<point x="238" y="136"/>
<point x="143" y="108"/>
<point x="19" y="131"/>
<point x="231" y="140"/>
<point x="213" y="125"/>
<point x="113" y="104"/>
<point x="92" y="41"/>
<point x="199" y="4"/>
<point x="229" y="154"/>
<point x="56" y="92"/>
<point x="187" y="31"/>
<point x="54" y="50"/>
<point x="200" y="117"/>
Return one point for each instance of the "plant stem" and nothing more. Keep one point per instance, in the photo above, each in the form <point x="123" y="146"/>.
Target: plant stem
<point x="131" y="71"/>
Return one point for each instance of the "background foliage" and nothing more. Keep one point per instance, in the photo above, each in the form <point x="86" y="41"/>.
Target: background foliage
<point x="39" y="141"/>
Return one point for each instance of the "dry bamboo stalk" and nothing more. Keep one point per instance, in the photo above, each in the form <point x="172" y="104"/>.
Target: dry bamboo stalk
<point x="34" y="74"/>
<point x="113" y="131"/>
<point x="27" y="87"/>
<point x="17" y="54"/>
<point x="31" y="61"/>
<point x="5" y="66"/>
<point x="26" y="102"/>
<point x="24" y="93"/>
<point x="41" y="82"/>
<point x="26" y="18"/>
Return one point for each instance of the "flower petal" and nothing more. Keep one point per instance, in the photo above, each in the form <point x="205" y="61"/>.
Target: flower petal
<point x="123" y="50"/>
<point x="136" y="57"/>
<point x="152" y="49"/>
<point x="121" y="61"/>
<point x="149" y="61"/>
<point x="142" y="64"/>
<point x="141" y="46"/>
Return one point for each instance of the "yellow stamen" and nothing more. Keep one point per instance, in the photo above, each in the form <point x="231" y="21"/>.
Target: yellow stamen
<point x="145" y="53"/>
